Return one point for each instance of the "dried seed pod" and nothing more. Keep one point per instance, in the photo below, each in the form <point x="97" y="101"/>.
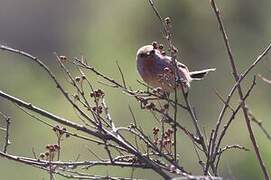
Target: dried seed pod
<point x="77" y="79"/>
<point x="168" y="20"/>
<point x="63" y="59"/>
<point x="161" y="46"/>
<point x="155" y="45"/>
<point x="150" y="106"/>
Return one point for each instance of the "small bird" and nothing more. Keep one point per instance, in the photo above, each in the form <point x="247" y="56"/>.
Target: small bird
<point x="158" y="70"/>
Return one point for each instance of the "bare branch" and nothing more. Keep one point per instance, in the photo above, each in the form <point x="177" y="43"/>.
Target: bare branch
<point x="122" y="76"/>
<point x="7" y="141"/>
<point x="240" y="92"/>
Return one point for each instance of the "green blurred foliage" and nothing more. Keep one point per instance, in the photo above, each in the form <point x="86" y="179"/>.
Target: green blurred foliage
<point x="108" y="31"/>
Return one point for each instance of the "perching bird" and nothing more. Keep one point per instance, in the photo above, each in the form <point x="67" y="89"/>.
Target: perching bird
<point x="157" y="69"/>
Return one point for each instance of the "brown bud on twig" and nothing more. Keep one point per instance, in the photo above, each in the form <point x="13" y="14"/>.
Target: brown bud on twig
<point x="76" y="97"/>
<point x="47" y="153"/>
<point x="167" y="20"/>
<point x="132" y="126"/>
<point x="155" y="130"/>
<point x="77" y="79"/>
<point x="63" y="59"/>
<point x="97" y="93"/>
<point x="56" y="147"/>
<point x="150" y="106"/>
<point x="174" y="50"/>
<point x="155" y="45"/>
<point x="83" y="77"/>
<point x="42" y="155"/>
<point x="161" y="46"/>
<point x="98" y="109"/>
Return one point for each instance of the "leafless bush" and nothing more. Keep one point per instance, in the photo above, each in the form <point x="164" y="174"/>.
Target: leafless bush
<point x="156" y="150"/>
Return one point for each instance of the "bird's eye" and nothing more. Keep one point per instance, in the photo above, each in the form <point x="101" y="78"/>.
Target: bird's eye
<point x="142" y="55"/>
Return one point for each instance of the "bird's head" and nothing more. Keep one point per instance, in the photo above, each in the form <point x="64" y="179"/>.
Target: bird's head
<point x="146" y="52"/>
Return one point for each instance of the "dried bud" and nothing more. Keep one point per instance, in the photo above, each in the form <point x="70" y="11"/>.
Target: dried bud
<point x="155" y="45"/>
<point x="159" y="90"/>
<point x="155" y="130"/>
<point x="100" y="91"/>
<point x="56" y="147"/>
<point x="166" y="106"/>
<point x="150" y="106"/>
<point x="170" y="131"/>
<point x="83" y="77"/>
<point x="167" y="20"/>
<point x="132" y="125"/>
<point x="94" y="109"/>
<point x="98" y="109"/>
<point x="77" y="79"/>
<point x="76" y="97"/>
<point x="63" y="58"/>
<point x="161" y="46"/>
<point x="174" y="50"/>
<point x="42" y="155"/>
<point x="55" y="128"/>
<point x="143" y="101"/>
<point x="154" y="91"/>
<point x="50" y="147"/>
<point x="163" y="53"/>
<point x="165" y="142"/>
<point x="97" y="93"/>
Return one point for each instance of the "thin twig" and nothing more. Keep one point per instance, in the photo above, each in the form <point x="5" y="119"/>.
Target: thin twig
<point x="122" y="76"/>
<point x="228" y="147"/>
<point x="268" y="81"/>
<point x="260" y="124"/>
<point x="234" y="146"/>
<point x="227" y="125"/>
<point x="7" y="141"/>
<point x="70" y="133"/>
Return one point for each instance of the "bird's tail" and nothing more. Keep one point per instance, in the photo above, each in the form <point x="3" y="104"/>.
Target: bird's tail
<point x="199" y="75"/>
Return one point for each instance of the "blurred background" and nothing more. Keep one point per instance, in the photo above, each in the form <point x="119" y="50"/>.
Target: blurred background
<point x="108" y="31"/>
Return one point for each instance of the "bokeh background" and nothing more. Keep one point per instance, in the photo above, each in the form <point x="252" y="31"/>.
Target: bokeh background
<point x="108" y="31"/>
